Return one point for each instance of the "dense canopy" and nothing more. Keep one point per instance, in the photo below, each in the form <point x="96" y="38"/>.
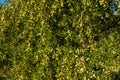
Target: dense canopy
<point x="59" y="40"/>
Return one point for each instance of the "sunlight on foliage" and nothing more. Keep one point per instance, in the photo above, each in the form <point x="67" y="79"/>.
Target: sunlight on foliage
<point x="59" y="40"/>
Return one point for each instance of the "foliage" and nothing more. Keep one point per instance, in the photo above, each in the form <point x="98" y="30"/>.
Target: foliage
<point x="64" y="40"/>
